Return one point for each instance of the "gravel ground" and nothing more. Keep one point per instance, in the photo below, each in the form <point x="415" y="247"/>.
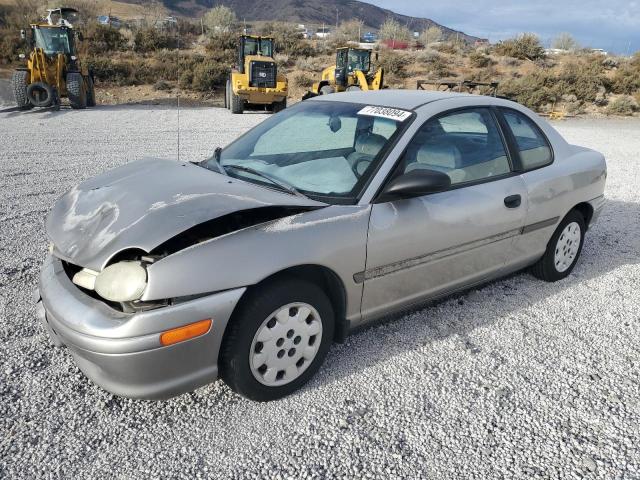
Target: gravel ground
<point x="517" y="379"/>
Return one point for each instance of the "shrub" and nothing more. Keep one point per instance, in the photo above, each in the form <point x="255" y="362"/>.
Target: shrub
<point x="478" y="60"/>
<point x="220" y="19"/>
<point x="393" y="63"/>
<point x="524" y="47"/>
<point x="303" y="80"/>
<point x="103" y="39"/>
<point x="162" y="85"/>
<point x="626" y="80"/>
<point x="288" y="40"/>
<point x="150" y="39"/>
<point x="207" y="75"/>
<point x="10" y="45"/>
<point x="438" y="65"/>
<point x="624" y="105"/>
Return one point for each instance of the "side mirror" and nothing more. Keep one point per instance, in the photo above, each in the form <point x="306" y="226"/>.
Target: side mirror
<point x="23" y="34"/>
<point x="415" y="184"/>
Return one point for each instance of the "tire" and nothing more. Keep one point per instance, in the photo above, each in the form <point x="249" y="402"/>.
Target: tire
<point x="237" y="104"/>
<point x="40" y="94"/>
<point x="19" y="84"/>
<point x="326" y="90"/>
<point x="279" y="106"/>
<point x="76" y="90"/>
<point x="91" y="91"/>
<point x="255" y="316"/>
<point x="563" y="250"/>
<point x="354" y="88"/>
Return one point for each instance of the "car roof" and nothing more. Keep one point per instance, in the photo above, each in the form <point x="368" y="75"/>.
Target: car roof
<point x="405" y="99"/>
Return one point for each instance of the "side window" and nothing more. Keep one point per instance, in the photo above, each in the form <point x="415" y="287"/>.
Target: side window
<point x="466" y="145"/>
<point x="534" y="149"/>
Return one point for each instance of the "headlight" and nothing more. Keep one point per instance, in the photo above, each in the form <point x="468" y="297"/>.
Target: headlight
<point x="121" y="282"/>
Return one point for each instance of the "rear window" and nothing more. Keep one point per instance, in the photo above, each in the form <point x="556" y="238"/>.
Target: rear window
<point x="534" y="149"/>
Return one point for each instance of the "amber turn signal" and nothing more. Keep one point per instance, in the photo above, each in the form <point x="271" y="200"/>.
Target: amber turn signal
<point x="186" y="332"/>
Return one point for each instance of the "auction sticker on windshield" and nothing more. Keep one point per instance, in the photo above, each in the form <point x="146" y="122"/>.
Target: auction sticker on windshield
<point x="385" y="112"/>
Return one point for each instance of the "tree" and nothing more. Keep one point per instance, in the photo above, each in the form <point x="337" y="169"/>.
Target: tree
<point x="349" y="31"/>
<point x="431" y="35"/>
<point x="393" y="30"/>
<point x="220" y="19"/>
<point x="565" y="41"/>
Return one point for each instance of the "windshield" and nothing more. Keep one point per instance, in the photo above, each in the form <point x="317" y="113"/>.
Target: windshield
<point x="325" y="150"/>
<point x="53" y="40"/>
<point x="359" y="60"/>
<point x="253" y="46"/>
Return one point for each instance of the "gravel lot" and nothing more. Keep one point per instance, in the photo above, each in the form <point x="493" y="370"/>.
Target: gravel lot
<point x="517" y="379"/>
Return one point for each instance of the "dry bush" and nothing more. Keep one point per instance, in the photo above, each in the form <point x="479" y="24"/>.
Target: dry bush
<point x="150" y="39"/>
<point x="478" y="60"/>
<point x="524" y="47"/>
<point x="302" y="80"/>
<point x="624" y="105"/>
<point x="394" y="63"/>
<point x="288" y="39"/>
<point x="437" y="65"/>
<point x="103" y="39"/>
<point x="312" y="64"/>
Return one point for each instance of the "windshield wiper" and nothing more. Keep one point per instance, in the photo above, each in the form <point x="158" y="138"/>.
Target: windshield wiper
<point x="275" y="181"/>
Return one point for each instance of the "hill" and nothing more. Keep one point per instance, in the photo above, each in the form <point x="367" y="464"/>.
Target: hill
<point x="308" y="12"/>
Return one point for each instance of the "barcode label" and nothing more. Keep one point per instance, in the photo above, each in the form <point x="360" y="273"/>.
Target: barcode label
<point x="385" y="112"/>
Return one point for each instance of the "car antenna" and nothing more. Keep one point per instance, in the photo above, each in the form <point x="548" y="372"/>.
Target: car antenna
<point x="178" y="91"/>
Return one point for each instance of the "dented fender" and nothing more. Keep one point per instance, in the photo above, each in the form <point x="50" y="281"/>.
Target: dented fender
<point x="250" y="255"/>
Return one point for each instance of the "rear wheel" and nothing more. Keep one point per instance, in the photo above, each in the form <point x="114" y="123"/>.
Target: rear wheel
<point x="563" y="249"/>
<point x="76" y="90"/>
<point x="91" y="92"/>
<point x="19" y="83"/>
<point x="237" y="104"/>
<point x="353" y="88"/>
<point x="326" y="90"/>
<point x="277" y="339"/>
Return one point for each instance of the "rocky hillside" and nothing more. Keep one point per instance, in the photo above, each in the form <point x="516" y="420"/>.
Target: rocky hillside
<point x="308" y="11"/>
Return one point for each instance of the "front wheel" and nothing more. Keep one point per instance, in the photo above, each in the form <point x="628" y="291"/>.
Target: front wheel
<point x="237" y="104"/>
<point x="76" y="90"/>
<point x="563" y="249"/>
<point x="19" y="84"/>
<point x="277" y="339"/>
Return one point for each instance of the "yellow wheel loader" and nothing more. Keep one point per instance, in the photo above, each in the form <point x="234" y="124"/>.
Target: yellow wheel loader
<point x="352" y="71"/>
<point x="53" y="70"/>
<point x="255" y="80"/>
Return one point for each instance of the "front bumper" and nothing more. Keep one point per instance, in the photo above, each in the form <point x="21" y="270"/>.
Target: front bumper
<point x="122" y="352"/>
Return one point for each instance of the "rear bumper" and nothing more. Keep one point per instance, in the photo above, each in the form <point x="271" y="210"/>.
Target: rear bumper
<point x="122" y="352"/>
<point x="262" y="96"/>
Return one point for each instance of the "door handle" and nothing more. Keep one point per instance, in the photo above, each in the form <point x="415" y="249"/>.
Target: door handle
<point x="513" y="201"/>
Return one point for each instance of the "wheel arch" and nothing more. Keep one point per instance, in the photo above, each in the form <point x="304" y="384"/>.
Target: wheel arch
<point x="327" y="280"/>
<point x="586" y="210"/>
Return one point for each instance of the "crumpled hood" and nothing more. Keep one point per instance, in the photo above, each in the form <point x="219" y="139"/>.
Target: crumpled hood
<point x="144" y="203"/>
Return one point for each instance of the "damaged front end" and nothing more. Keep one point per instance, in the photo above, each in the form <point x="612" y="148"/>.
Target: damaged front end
<point x="108" y="230"/>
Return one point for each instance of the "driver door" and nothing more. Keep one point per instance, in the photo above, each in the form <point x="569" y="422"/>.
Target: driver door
<point x="427" y="246"/>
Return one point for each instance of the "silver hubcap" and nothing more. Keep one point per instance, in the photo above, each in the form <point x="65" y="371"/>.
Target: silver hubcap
<point x="285" y="344"/>
<point x="567" y="247"/>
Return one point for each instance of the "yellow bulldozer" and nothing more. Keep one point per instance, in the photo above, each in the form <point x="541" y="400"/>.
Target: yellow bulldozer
<point x="255" y="79"/>
<point x="352" y="71"/>
<point x="53" y="69"/>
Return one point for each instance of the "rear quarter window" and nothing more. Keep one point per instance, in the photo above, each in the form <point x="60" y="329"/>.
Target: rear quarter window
<point x="534" y="149"/>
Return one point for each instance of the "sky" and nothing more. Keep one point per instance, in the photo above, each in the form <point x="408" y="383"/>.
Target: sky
<point x="613" y="25"/>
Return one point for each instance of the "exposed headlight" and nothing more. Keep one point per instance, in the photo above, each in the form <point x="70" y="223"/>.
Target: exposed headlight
<point x="121" y="282"/>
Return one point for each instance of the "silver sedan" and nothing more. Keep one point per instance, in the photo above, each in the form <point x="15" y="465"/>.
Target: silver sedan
<point x="163" y="276"/>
